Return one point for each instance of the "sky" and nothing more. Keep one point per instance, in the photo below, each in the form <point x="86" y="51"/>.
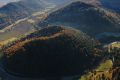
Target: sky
<point x="3" y="2"/>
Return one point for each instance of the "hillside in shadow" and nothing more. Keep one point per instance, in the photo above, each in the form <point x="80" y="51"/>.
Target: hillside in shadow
<point x="57" y="52"/>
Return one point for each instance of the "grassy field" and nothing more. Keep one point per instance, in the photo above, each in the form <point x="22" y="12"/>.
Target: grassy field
<point x="105" y="66"/>
<point x="103" y="69"/>
<point x="7" y="41"/>
<point x="115" y="44"/>
<point x="20" y="28"/>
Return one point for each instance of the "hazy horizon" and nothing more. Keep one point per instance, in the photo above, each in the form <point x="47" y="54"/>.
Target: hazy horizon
<point x="3" y="2"/>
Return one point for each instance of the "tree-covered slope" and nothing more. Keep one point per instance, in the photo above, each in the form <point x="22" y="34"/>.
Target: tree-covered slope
<point x="65" y="52"/>
<point x="86" y="17"/>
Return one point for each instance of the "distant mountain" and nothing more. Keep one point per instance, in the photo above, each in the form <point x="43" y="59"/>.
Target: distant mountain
<point x="58" y="2"/>
<point x="86" y="17"/>
<point x="1" y="4"/>
<point x="18" y="10"/>
<point x="108" y="37"/>
<point x="111" y="4"/>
